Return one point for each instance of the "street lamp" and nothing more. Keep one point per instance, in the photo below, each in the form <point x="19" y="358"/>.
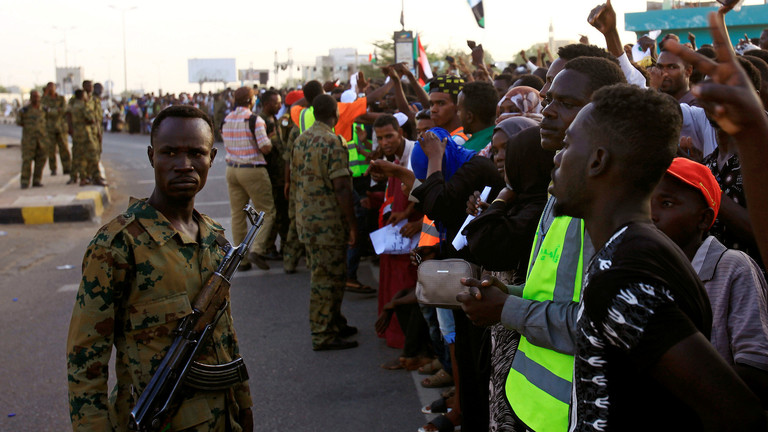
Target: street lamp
<point x="125" y="57"/>
<point x="64" y="30"/>
<point x="54" y="43"/>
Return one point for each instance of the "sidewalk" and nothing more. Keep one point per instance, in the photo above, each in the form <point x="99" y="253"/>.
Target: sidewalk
<point x="56" y="201"/>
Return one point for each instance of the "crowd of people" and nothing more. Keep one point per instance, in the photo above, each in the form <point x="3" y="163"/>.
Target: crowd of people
<point x="616" y="210"/>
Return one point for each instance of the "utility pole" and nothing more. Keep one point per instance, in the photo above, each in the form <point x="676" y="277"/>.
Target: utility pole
<point x="125" y="55"/>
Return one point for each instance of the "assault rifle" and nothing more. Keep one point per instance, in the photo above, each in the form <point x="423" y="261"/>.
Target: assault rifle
<point x="159" y="401"/>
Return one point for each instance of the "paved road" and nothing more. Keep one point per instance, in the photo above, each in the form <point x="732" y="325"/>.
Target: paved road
<point x="293" y="387"/>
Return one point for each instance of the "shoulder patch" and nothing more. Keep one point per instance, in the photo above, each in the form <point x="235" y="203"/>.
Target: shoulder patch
<point x="107" y="233"/>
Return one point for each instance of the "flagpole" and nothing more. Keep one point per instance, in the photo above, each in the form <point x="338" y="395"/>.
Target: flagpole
<point x="402" y="14"/>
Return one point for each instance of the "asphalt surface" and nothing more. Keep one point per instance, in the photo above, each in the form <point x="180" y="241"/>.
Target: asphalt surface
<point x="293" y="387"/>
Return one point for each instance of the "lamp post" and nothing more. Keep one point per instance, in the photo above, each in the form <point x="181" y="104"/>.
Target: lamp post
<point x="64" y="30"/>
<point x="125" y="56"/>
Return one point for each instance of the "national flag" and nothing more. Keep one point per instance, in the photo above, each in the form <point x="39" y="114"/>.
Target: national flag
<point x="425" y="71"/>
<point x="477" y="9"/>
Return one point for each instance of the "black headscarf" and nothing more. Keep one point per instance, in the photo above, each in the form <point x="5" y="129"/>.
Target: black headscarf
<point x="528" y="166"/>
<point x="500" y="238"/>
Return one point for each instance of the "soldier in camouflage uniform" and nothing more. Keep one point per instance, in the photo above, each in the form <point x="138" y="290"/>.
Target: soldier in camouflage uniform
<point x="219" y="112"/>
<point x="292" y="248"/>
<point x="33" y="140"/>
<point x="271" y="102"/>
<point x="83" y="139"/>
<point x="325" y="219"/>
<point x="55" y="106"/>
<point x="95" y="91"/>
<point x="141" y="273"/>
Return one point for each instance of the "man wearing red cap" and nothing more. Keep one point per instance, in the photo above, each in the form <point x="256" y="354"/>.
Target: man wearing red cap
<point x="684" y="206"/>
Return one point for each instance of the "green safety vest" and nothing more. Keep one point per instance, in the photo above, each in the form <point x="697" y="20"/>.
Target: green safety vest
<point x="538" y="386"/>
<point x="357" y="163"/>
<point x="306" y="119"/>
<point x="356" y="160"/>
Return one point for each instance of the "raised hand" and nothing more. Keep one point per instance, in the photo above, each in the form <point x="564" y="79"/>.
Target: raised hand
<point x="603" y="18"/>
<point x="729" y="98"/>
<point x="432" y="146"/>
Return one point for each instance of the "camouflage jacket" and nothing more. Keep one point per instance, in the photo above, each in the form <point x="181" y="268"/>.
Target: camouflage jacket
<point x="55" y="107"/>
<point x="293" y="134"/>
<point x="83" y="120"/>
<point x="33" y="122"/>
<point x="318" y="157"/>
<point x="140" y="276"/>
<point x="98" y="113"/>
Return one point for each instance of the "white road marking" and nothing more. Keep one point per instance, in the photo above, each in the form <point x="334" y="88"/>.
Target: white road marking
<point x="68" y="288"/>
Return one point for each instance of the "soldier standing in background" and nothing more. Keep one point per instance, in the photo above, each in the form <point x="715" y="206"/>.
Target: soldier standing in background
<point x="270" y="106"/>
<point x="292" y="248"/>
<point x="83" y="143"/>
<point x="219" y="112"/>
<point x="33" y="140"/>
<point x="325" y="219"/>
<point x="92" y="158"/>
<point x="55" y="106"/>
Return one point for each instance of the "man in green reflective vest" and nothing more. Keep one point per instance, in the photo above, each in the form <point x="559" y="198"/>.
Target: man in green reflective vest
<point x="538" y="386"/>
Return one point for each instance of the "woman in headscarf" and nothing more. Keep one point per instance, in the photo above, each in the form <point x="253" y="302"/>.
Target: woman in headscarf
<point x="500" y="240"/>
<point x="504" y="130"/>
<point x="520" y="101"/>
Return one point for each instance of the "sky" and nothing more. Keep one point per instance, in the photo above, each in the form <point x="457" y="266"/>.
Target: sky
<point x="161" y="35"/>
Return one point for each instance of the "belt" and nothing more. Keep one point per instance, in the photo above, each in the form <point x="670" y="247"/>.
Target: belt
<point x="245" y="165"/>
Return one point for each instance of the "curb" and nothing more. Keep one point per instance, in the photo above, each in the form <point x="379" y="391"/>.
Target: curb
<point x="86" y="206"/>
<point x="9" y="145"/>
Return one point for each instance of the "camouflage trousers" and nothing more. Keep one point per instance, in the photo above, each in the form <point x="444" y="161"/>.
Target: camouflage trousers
<point x="292" y="247"/>
<point x="57" y="140"/>
<point x="328" y="267"/>
<point x="281" y="217"/>
<point x="33" y="149"/>
<point x="85" y="159"/>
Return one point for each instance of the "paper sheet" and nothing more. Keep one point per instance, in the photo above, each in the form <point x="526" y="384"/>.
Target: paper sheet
<point x="460" y="240"/>
<point x="389" y="241"/>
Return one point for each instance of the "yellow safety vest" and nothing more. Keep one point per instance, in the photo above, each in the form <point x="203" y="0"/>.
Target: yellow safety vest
<point x="306" y="119"/>
<point x="538" y="386"/>
<point x="357" y="163"/>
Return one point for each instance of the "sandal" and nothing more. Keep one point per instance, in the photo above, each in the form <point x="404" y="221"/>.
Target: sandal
<point x="356" y="287"/>
<point x="441" y="424"/>
<point x="413" y="363"/>
<point x="395" y="364"/>
<point x="440" y="379"/>
<point x="437" y="407"/>
<point x="430" y="368"/>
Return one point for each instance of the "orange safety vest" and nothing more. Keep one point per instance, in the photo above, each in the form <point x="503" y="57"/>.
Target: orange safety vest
<point x="460" y="133"/>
